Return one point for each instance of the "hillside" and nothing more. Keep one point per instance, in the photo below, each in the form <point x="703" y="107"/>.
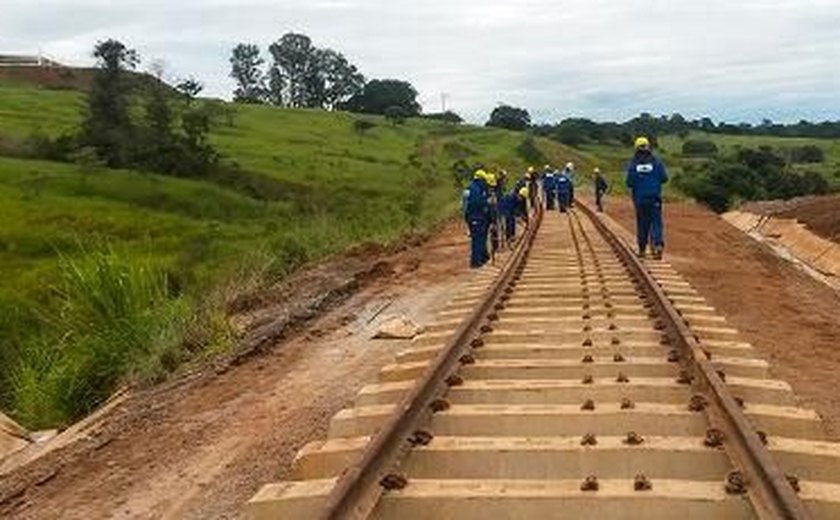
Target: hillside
<point x="310" y="185"/>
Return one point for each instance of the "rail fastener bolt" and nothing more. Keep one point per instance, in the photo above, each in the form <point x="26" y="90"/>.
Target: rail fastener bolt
<point x="587" y="342"/>
<point x="633" y="439"/>
<point x="622" y="378"/>
<point x="736" y="483"/>
<point x="467" y="359"/>
<point x="588" y="379"/>
<point x="588" y="405"/>
<point x="439" y="405"/>
<point x="714" y="438"/>
<point x="394" y="481"/>
<point x="454" y="380"/>
<point x="588" y="359"/>
<point x="793" y="480"/>
<point x="589" y="440"/>
<point x="684" y="378"/>
<point x="618" y="358"/>
<point x="627" y="404"/>
<point x="642" y="483"/>
<point x="697" y="403"/>
<point x="722" y="375"/>
<point x="762" y="436"/>
<point x="590" y="483"/>
<point x="421" y="438"/>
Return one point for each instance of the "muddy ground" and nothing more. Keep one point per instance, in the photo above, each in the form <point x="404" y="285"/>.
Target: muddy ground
<point x="792" y="319"/>
<point x="200" y="447"/>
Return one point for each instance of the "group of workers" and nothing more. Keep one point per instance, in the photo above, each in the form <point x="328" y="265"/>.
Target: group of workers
<point x="491" y="210"/>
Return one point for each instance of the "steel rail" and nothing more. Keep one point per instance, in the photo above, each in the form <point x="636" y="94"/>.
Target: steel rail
<point x="358" y="488"/>
<point x="769" y="490"/>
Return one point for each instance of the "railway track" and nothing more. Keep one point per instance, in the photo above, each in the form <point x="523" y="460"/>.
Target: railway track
<point x="573" y="382"/>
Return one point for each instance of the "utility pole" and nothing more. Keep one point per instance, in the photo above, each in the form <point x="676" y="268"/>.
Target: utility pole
<point x="443" y="97"/>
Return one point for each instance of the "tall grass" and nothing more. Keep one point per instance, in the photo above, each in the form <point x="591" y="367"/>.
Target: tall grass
<point x="114" y="319"/>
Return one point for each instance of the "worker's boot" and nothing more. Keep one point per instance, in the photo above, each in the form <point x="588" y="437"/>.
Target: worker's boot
<point x="641" y="252"/>
<point x="657" y="253"/>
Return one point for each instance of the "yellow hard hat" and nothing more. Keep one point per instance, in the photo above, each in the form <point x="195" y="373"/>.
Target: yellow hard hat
<point x="530" y="169"/>
<point x="491" y="179"/>
<point x="480" y="174"/>
<point x="597" y="170"/>
<point x="523" y="192"/>
<point x="642" y="142"/>
<point x="547" y="166"/>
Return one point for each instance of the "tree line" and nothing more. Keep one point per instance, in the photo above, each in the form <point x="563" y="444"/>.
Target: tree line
<point x="302" y="75"/>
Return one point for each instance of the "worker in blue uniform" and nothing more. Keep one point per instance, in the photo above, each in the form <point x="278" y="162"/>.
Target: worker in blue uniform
<point x="512" y="205"/>
<point x="564" y="191"/>
<point x="645" y="176"/>
<point x="477" y="215"/>
<point x="549" y="184"/>
<point x="601" y="188"/>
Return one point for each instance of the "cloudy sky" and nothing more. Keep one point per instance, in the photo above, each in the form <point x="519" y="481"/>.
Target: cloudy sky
<point x="605" y="59"/>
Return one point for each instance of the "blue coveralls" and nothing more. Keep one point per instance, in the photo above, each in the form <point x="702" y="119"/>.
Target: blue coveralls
<point x="601" y="188"/>
<point x="508" y="206"/>
<point x="477" y="215"/>
<point x="645" y="176"/>
<point x="549" y="189"/>
<point x="564" y="191"/>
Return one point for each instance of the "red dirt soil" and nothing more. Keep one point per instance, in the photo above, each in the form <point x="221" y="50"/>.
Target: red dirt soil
<point x="793" y="320"/>
<point x="202" y="446"/>
<point x="819" y="214"/>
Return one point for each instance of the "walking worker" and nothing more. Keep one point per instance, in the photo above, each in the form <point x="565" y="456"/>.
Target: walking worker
<point x="564" y="191"/>
<point x="511" y="206"/>
<point x="493" y="212"/>
<point x="569" y="172"/>
<point x="549" y="183"/>
<point x="645" y="176"/>
<point x="477" y="215"/>
<point x="601" y="188"/>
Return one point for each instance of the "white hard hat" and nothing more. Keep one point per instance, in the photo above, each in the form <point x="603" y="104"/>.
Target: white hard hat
<point x="570" y="165"/>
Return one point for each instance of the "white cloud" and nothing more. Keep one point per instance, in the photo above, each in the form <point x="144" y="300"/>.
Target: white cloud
<point x="596" y="58"/>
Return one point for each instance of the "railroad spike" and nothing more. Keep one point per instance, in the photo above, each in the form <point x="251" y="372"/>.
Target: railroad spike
<point x="589" y="440"/>
<point x="486" y="329"/>
<point x="615" y="341"/>
<point x="588" y="405"/>
<point x="739" y="401"/>
<point x="762" y="436"/>
<point x="587" y="342"/>
<point x="477" y="343"/>
<point x="684" y="378"/>
<point x="722" y="375"/>
<point x="467" y="359"/>
<point x="627" y="404"/>
<point x="588" y="379"/>
<point x="622" y="378"/>
<point x="673" y="357"/>
<point x="588" y="359"/>
<point x="618" y="358"/>
<point x="493" y="317"/>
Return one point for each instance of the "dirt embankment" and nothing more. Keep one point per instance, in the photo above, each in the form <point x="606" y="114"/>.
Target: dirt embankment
<point x="821" y="215"/>
<point x="201" y="446"/>
<point x="792" y="319"/>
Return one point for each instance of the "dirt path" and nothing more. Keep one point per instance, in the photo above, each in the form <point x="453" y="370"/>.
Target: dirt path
<point x="792" y="319"/>
<point x="200" y="449"/>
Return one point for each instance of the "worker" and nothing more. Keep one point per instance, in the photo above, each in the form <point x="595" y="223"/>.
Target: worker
<point x="493" y="212"/>
<point x="510" y="207"/>
<point x="645" y="176"/>
<point x="477" y="215"/>
<point x="533" y="183"/>
<point x="569" y="171"/>
<point x="549" y="184"/>
<point x="564" y="190"/>
<point x="601" y="188"/>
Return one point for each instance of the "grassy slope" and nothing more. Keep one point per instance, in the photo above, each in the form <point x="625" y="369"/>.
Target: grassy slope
<point x="332" y="188"/>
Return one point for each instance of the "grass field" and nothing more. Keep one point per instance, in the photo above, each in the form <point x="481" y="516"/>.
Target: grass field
<point x="109" y="274"/>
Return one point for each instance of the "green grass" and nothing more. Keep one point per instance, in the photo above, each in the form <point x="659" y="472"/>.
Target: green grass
<point x="113" y="276"/>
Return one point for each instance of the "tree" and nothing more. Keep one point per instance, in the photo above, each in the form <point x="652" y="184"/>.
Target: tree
<point x="379" y="95"/>
<point x="395" y="115"/>
<point x="107" y="126"/>
<point x="293" y="78"/>
<point x="341" y="79"/>
<point x="447" y="117"/>
<point x="245" y="62"/>
<point x="190" y="88"/>
<point x="511" y="118"/>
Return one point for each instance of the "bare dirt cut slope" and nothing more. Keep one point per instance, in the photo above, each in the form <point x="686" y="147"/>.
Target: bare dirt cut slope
<point x="201" y="448"/>
<point x="791" y="318"/>
<point x="819" y="214"/>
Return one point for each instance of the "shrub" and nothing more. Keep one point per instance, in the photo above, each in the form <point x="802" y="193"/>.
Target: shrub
<point x="699" y="148"/>
<point x="808" y="154"/>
